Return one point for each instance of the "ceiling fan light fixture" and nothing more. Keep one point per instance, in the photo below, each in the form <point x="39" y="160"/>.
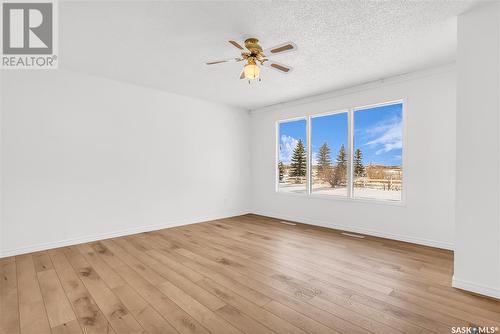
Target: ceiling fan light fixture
<point x="251" y="71"/>
<point x="253" y="54"/>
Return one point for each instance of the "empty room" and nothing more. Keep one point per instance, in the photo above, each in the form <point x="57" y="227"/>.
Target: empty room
<point x="250" y="167"/>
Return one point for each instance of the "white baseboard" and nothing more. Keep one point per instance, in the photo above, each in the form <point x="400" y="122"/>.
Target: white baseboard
<point x="347" y="228"/>
<point x="476" y="288"/>
<point x="119" y="233"/>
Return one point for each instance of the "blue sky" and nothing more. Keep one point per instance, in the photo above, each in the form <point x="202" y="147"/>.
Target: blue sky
<point x="331" y="129"/>
<point x="290" y="133"/>
<point x="377" y="132"/>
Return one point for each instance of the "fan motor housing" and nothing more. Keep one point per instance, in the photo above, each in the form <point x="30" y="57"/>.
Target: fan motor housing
<point x="252" y="44"/>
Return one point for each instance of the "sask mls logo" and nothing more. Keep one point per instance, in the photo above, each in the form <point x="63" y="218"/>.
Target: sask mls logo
<point x="29" y="34"/>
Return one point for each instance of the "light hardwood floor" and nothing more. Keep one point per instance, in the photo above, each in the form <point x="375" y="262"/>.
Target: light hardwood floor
<point x="247" y="274"/>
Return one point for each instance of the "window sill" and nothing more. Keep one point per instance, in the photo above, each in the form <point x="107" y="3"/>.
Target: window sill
<point x="313" y="196"/>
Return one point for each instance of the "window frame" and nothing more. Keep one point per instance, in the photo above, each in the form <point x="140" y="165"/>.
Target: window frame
<point x="350" y="149"/>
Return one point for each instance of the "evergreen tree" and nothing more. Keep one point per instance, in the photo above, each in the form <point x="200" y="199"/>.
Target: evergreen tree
<point x="324" y="161"/>
<point x="359" y="169"/>
<point x="298" y="163"/>
<point x="341" y="157"/>
<point x="341" y="168"/>
<point x="281" y="170"/>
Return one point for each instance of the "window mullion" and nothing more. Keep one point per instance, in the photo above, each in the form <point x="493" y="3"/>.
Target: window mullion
<point x="309" y="157"/>
<point x="350" y="149"/>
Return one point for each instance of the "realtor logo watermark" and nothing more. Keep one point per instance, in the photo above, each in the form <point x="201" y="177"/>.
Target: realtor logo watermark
<point x="29" y="34"/>
<point x="474" y="329"/>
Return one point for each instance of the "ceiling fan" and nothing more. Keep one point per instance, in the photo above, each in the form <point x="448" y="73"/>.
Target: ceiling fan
<point x="254" y="55"/>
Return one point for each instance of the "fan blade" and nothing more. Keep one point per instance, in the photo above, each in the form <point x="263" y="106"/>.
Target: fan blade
<point x="278" y="67"/>
<point x="242" y="75"/>
<point x="236" y="44"/>
<point x="217" y="62"/>
<point x="281" y="48"/>
<point x="224" y="61"/>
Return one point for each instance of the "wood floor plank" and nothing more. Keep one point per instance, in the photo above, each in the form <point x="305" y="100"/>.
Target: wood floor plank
<point x="471" y="313"/>
<point x="9" y="307"/>
<point x="343" y="258"/>
<point x="299" y="290"/>
<point x="242" y="321"/>
<point x="185" y="272"/>
<point x="351" y="250"/>
<point x="147" y="316"/>
<point x="266" y="318"/>
<point x="116" y="313"/>
<point x="233" y="282"/>
<point x="247" y="274"/>
<point x="105" y="272"/>
<point x="296" y="318"/>
<point x="186" y="285"/>
<point x="42" y="261"/>
<point x="90" y="317"/>
<point x="422" y="311"/>
<point x="177" y="317"/>
<point x="328" y="319"/>
<point x="200" y="312"/>
<point x="149" y="319"/>
<point x="142" y="269"/>
<point x="32" y="314"/>
<point x="277" y="321"/>
<point x="71" y="327"/>
<point x="339" y="296"/>
<point x="58" y="308"/>
<point x="339" y="323"/>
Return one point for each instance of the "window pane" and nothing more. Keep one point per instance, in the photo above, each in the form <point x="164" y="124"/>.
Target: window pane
<point x="378" y="150"/>
<point x="329" y="154"/>
<point x="292" y="162"/>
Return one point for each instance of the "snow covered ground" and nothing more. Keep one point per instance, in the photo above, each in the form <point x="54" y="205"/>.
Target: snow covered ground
<point x="327" y="190"/>
<point x="361" y="193"/>
<point x="383" y="195"/>
<point x="292" y="188"/>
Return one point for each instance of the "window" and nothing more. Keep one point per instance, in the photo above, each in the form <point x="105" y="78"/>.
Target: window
<point x="378" y="149"/>
<point x="330" y="156"/>
<point x="292" y="164"/>
<point x="355" y="154"/>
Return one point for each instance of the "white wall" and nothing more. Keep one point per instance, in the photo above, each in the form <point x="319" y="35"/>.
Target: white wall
<point x="427" y="217"/>
<point x="477" y="250"/>
<point x="86" y="158"/>
<point x="1" y="187"/>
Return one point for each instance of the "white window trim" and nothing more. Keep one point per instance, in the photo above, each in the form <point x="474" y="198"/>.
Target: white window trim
<point x="350" y="149"/>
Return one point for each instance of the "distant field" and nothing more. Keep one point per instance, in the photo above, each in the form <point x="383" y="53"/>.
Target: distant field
<point x="379" y="182"/>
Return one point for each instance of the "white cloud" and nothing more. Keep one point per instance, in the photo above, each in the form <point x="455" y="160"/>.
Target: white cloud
<point x="389" y="136"/>
<point x="287" y="145"/>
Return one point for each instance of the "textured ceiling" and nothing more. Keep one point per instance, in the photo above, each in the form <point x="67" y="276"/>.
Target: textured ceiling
<point x="340" y="43"/>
